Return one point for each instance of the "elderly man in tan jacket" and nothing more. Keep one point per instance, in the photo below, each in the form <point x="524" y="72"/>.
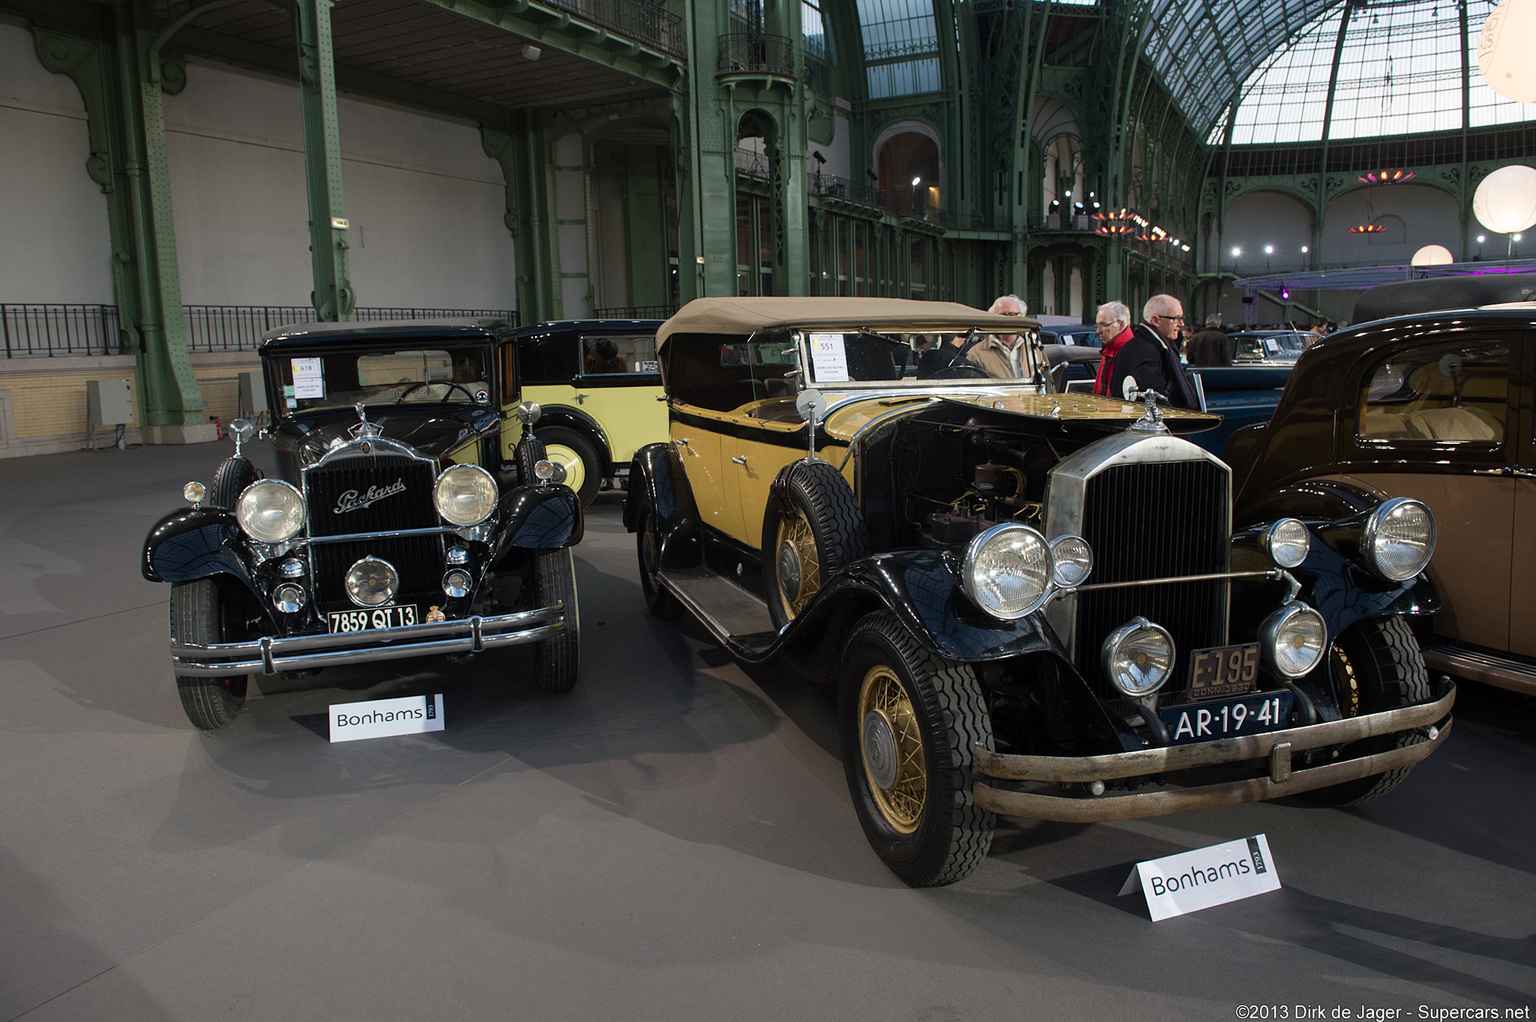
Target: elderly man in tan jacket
<point x="1001" y="355"/>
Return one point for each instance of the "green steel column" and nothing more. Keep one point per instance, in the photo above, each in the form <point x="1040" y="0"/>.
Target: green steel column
<point x="171" y="396"/>
<point x="332" y="298"/>
<point x="646" y="230"/>
<point x="525" y="196"/>
<point x="88" y="63"/>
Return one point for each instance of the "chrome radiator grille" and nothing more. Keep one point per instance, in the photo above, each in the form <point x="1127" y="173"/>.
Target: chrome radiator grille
<point x="345" y="497"/>
<point x="1155" y="520"/>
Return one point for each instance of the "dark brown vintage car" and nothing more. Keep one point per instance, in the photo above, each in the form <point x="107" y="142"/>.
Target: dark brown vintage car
<point x="1436" y="405"/>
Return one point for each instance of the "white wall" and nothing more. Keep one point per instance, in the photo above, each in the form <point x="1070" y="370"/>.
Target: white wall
<point x="54" y="239"/>
<point x="424" y="201"/>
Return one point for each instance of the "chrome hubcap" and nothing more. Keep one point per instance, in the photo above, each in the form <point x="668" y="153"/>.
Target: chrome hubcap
<point x="879" y="750"/>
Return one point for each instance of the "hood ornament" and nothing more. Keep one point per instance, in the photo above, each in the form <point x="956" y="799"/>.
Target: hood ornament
<point x="1151" y="420"/>
<point x="364" y="428"/>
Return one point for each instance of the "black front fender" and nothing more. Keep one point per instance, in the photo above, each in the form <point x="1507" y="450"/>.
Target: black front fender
<point x="194" y="543"/>
<point x="923" y="589"/>
<point x="658" y="482"/>
<point x="543" y="517"/>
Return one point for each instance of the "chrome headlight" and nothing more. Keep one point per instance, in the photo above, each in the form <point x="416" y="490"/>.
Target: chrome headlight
<point x="1287" y="542"/>
<point x="1007" y="570"/>
<point x="1293" y="639"/>
<point x="1398" y="538"/>
<point x="546" y="471"/>
<point x="1138" y="657"/>
<point x="372" y="582"/>
<point x="270" y="510"/>
<point x="1071" y="560"/>
<point x="193" y="493"/>
<point x="465" y="494"/>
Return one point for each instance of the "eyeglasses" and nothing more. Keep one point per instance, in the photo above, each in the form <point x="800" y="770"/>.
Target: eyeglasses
<point x="1105" y="326"/>
<point x="1176" y="319"/>
<point x="1010" y="313"/>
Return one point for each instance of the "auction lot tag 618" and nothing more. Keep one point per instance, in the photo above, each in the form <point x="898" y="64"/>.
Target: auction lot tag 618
<point x="410" y="715"/>
<point x="1190" y="881"/>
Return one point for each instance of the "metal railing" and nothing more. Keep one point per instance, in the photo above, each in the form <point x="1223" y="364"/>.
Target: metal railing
<point x="44" y="330"/>
<point x="756" y="53"/>
<point x="49" y="330"/>
<point x="640" y="20"/>
<point x="635" y="312"/>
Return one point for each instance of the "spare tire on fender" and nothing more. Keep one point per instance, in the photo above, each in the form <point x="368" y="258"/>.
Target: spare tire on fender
<point x="812" y="529"/>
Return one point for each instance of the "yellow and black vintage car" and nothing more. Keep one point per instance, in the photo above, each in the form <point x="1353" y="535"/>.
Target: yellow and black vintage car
<point x="1034" y="604"/>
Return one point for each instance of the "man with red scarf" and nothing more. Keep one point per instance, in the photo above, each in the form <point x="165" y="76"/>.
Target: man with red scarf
<point x="1114" y="326"/>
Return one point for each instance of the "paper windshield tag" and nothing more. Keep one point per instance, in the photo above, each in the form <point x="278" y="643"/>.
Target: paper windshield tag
<point x="307" y="380"/>
<point x="829" y="360"/>
<point x="1190" y="881"/>
<point x="378" y="718"/>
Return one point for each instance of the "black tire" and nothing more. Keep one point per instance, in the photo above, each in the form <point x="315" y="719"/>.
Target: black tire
<point x="231" y="480"/>
<point x="816" y="533"/>
<point x="1376" y="666"/>
<point x="648" y="550"/>
<point x="575" y="453"/>
<point x="909" y="722"/>
<point x="198" y="615"/>
<point x="554" y="580"/>
<point x="529" y="453"/>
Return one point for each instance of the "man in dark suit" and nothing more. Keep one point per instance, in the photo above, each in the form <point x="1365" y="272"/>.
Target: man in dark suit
<point x="1211" y="346"/>
<point x="1150" y="359"/>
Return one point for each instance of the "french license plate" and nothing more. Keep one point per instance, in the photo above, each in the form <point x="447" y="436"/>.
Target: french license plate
<point x="374" y="617"/>
<point x="1226" y="718"/>
<point x="1223" y="671"/>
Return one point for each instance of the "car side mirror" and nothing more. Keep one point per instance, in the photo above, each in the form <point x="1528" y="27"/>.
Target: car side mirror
<point x="242" y="430"/>
<point x="528" y="413"/>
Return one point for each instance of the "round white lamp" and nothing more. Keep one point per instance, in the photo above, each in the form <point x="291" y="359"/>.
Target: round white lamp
<point x="1432" y="255"/>
<point x="1504" y="50"/>
<point x="1505" y="201"/>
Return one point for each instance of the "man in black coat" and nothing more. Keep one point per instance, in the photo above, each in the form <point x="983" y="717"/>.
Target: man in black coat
<point x="1150" y="359"/>
<point x="1211" y="346"/>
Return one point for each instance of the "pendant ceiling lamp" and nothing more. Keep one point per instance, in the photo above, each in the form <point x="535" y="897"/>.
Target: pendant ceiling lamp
<point x="1504" y="50"/>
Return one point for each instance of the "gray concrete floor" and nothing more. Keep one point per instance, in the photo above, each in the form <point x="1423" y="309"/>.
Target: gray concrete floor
<point x="672" y="840"/>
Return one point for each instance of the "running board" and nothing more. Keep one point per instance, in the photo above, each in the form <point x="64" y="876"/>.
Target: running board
<point x="736" y="618"/>
<point x="1488" y="668"/>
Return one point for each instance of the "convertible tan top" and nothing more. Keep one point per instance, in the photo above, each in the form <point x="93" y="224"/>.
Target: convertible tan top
<point x="747" y="315"/>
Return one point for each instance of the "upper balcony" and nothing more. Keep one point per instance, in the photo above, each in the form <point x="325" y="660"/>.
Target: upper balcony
<point x="756" y="55"/>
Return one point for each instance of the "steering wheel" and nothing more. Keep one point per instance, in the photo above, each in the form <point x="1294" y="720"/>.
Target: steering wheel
<point x="433" y="383"/>
<point x="960" y="371"/>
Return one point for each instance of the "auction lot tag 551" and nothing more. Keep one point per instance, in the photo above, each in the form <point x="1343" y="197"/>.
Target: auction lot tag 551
<point x="1190" y="881"/>
<point x="410" y="715"/>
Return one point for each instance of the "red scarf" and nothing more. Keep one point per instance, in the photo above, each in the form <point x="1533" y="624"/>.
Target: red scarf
<point x="1107" y="362"/>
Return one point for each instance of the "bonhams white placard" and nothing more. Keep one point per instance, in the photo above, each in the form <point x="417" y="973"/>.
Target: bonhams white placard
<point x="1190" y="881"/>
<point x="377" y="718"/>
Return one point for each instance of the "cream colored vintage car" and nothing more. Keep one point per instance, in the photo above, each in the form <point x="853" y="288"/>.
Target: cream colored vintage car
<point x="1033" y="604"/>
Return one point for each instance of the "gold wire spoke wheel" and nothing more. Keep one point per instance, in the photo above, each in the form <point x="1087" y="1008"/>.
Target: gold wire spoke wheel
<point x="799" y="565"/>
<point x="891" y="745"/>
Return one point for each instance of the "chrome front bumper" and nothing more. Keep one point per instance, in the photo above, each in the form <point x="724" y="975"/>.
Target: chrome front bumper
<point x="1275" y="746"/>
<point x="269" y="654"/>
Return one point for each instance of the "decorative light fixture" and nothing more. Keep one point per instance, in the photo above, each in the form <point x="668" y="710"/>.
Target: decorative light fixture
<point x="1432" y="255"/>
<point x="1370" y="226"/>
<point x="1504" y="51"/>
<point x="1385" y="177"/>
<point x="1505" y="201"/>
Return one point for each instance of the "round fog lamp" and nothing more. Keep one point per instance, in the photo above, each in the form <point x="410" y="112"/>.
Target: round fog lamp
<point x="1071" y="560"/>
<point x="1398" y="538"/>
<point x="1007" y="571"/>
<point x="1138" y="657"/>
<point x="372" y="582"/>
<point x="288" y="598"/>
<point x="456" y="582"/>
<point x="1287" y="542"/>
<point x="546" y="471"/>
<point x="1293" y="639"/>
<point x="192" y="493"/>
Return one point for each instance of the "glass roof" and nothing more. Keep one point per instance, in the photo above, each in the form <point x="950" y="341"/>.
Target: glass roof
<point x="1400" y="72"/>
<point x="901" y="47"/>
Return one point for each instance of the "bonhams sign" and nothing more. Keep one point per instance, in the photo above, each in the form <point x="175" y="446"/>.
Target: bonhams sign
<point x="1190" y="881"/>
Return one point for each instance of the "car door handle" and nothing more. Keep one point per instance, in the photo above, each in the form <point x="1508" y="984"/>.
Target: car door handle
<point x="681" y="441"/>
<point x="581" y="398"/>
<point x="740" y="459"/>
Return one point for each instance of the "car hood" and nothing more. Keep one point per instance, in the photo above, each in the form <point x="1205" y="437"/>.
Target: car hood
<point x="432" y="430"/>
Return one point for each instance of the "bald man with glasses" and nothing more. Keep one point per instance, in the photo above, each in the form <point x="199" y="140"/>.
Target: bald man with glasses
<point x="1150" y="359"/>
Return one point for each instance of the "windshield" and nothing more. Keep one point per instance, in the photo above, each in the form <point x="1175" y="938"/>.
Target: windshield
<point x="842" y="358"/>
<point x="405" y="376"/>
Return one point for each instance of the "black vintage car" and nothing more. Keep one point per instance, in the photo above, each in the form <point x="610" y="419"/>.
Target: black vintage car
<point x="1033" y="604"/>
<point x="397" y="529"/>
<point x="1430" y="395"/>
